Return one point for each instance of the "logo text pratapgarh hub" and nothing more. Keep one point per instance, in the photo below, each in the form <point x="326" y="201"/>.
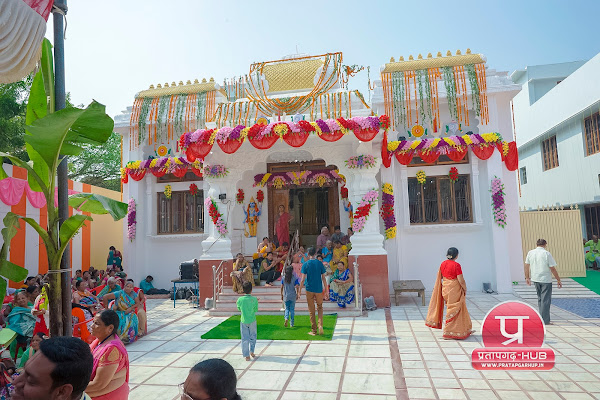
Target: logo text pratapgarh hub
<point x="513" y="335"/>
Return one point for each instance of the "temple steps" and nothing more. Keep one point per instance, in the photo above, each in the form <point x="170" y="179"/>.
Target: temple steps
<point x="269" y="303"/>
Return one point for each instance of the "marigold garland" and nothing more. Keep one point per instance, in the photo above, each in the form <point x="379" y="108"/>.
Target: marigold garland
<point x="387" y="210"/>
<point x="453" y="174"/>
<point x="498" y="205"/>
<point x="168" y="192"/>
<point x="239" y="197"/>
<point x="193" y="189"/>
<point x="421" y="177"/>
<point x="131" y="220"/>
<point x="364" y="209"/>
<point x="213" y="211"/>
<point x="362" y="161"/>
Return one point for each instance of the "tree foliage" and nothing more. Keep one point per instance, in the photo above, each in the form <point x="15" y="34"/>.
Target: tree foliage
<point x="99" y="165"/>
<point x="13" y="105"/>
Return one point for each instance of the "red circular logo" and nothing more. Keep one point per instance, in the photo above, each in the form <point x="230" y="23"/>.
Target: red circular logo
<point x="513" y="324"/>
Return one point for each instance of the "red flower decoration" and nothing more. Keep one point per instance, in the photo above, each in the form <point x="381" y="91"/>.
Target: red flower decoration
<point x="239" y="197"/>
<point x="260" y="196"/>
<point x="453" y="175"/>
<point x="387" y="211"/>
<point x="193" y="189"/>
<point x="305" y="125"/>
<point x="384" y="120"/>
<point x="344" y="192"/>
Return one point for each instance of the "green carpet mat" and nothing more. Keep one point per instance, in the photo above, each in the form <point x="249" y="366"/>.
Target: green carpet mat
<point x="591" y="281"/>
<point x="270" y="327"/>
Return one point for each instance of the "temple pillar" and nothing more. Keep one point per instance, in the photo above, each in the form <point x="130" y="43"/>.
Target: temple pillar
<point x="367" y="245"/>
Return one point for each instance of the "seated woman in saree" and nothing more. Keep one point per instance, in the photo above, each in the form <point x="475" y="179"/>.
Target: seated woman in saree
<point x="327" y="251"/>
<point x="126" y="302"/>
<point x="267" y="270"/>
<point x="339" y="254"/>
<point x="84" y="297"/>
<point x="110" y="375"/>
<point x="20" y="319"/>
<point x="261" y="253"/>
<point x="110" y="287"/>
<point x="341" y="285"/>
<point x="241" y="273"/>
<point x="450" y="288"/>
<point x="34" y="346"/>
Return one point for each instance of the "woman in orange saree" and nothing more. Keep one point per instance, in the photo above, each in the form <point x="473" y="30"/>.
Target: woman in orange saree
<point x="450" y="288"/>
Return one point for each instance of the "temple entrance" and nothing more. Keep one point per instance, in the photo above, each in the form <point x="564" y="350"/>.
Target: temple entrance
<point x="311" y="207"/>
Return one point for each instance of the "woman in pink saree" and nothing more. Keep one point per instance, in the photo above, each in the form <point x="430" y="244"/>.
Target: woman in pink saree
<point x="110" y="376"/>
<point x="450" y="288"/>
<point x="282" y="225"/>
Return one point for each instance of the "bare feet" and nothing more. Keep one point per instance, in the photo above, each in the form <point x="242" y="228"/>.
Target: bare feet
<point x="247" y="358"/>
<point x="268" y="284"/>
<point x="311" y="333"/>
<point x="320" y="330"/>
<point x="253" y="355"/>
<point x="285" y="323"/>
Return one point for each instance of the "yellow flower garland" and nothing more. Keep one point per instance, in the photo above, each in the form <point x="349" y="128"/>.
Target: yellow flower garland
<point x="421" y="177"/>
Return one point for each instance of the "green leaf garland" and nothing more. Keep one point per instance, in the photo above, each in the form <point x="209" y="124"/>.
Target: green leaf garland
<point x="449" y="83"/>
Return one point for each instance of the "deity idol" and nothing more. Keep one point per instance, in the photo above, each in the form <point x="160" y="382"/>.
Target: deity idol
<point x="252" y="213"/>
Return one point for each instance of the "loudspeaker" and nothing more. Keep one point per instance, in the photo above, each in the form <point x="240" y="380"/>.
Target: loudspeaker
<point x="188" y="270"/>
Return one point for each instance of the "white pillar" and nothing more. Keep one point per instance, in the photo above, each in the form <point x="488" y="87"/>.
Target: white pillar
<point x="217" y="246"/>
<point x="369" y="241"/>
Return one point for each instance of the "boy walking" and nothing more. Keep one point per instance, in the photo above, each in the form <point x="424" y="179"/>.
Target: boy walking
<point x="248" y="306"/>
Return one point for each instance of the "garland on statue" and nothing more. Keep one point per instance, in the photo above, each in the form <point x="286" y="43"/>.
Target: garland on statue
<point x="213" y="211"/>
<point x="364" y="210"/>
<point x="387" y="210"/>
<point x="131" y="220"/>
<point x="498" y="205"/>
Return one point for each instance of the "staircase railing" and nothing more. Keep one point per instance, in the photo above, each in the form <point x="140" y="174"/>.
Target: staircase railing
<point x="357" y="286"/>
<point x="217" y="282"/>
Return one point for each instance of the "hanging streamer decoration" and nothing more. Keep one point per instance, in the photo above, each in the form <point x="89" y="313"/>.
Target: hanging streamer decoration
<point x="411" y="93"/>
<point x="387" y="210"/>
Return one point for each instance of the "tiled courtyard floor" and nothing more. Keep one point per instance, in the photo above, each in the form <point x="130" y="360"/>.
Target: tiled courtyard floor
<point x="389" y="354"/>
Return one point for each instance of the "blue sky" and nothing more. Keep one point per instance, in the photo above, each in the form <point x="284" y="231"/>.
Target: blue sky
<point x="117" y="48"/>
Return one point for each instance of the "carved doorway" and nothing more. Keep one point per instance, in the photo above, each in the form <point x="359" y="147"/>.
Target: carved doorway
<point x="311" y="207"/>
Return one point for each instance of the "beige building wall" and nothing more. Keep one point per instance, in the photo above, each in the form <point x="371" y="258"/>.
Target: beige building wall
<point x="106" y="232"/>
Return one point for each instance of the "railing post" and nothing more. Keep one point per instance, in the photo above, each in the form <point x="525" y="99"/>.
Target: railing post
<point x="356" y="288"/>
<point x="214" y="268"/>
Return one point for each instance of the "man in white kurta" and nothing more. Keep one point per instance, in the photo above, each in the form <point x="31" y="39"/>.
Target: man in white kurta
<point x="539" y="268"/>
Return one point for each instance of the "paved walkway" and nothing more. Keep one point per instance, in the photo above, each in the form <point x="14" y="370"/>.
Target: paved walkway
<point x="389" y="354"/>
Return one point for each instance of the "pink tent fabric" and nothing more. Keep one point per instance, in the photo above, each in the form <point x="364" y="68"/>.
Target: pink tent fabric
<point x="11" y="192"/>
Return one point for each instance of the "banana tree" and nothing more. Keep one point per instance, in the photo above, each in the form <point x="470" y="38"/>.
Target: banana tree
<point x="49" y="136"/>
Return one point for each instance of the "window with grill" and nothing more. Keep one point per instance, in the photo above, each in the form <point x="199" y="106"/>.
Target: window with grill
<point x="439" y="201"/>
<point x="550" y="153"/>
<point x="592" y="134"/>
<point x="183" y="213"/>
<point x="523" y="173"/>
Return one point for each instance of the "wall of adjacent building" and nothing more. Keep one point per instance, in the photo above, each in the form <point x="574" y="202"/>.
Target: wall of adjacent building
<point x="561" y="112"/>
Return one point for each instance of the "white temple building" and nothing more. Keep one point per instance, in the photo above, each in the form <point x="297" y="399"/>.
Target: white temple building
<point x="437" y="130"/>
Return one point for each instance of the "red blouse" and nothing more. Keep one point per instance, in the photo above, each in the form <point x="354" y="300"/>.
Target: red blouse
<point x="450" y="269"/>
